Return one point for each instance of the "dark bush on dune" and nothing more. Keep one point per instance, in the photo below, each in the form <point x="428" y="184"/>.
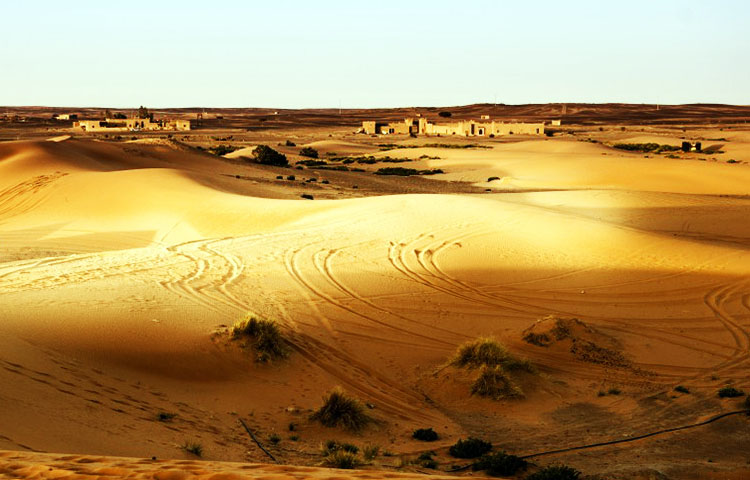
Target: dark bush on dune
<point x="309" y="152"/>
<point x="494" y="383"/>
<point x="445" y="114"/>
<point x="341" y="409"/>
<point x="556" y="472"/>
<point x="730" y="392"/>
<point x="266" y="155"/>
<point x="500" y="464"/>
<point x="264" y="336"/>
<point x="425" y="434"/>
<point x="470" y="448"/>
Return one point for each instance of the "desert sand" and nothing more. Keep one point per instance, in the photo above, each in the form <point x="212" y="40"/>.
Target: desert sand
<point x="123" y="263"/>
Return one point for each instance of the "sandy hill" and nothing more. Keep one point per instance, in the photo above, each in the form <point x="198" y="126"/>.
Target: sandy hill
<point x="123" y="264"/>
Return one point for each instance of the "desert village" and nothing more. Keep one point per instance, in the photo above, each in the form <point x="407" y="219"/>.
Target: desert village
<point x="131" y="124"/>
<point x="465" y="128"/>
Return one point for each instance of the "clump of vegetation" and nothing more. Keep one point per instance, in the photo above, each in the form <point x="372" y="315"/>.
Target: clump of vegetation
<point x="266" y="155"/>
<point x="425" y="434"/>
<point x="308" y="152"/>
<point x="646" y="147"/>
<point x="425" y="460"/>
<point x="294" y="438"/>
<point x="493" y="178"/>
<point x="614" y="391"/>
<point x="222" y="150"/>
<point x="307" y="196"/>
<point x="405" y="172"/>
<point x="274" y="438"/>
<point x="264" y="336"/>
<point x="312" y="163"/>
<point x="370" y="452"/>
<point x="483" y="351"/>
<point x="332" y="446"/>
<point x="291" y="177"/>
<point x="494" y="383"/>
<point x="343" y="460"/>
<point x="290" y="143"/>
<point x="445" y="114"/>
<point x="455" y="146"/>
<point x="556" y="472"/>
<point x="732" y="160"/>
<point x="500" y="464"/>
<point x="165" y="416"/>
<point x="193" y="447"/>
<point x="341" y="409"/>
<point x="730" y="392"/>
<point x="495" y="362"/>
<point x="470" y="448"/>
<point x="681" y="389"/>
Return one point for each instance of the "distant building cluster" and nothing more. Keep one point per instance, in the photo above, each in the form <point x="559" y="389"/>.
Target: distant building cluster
<point x="465" y="128"/>
<point x="131" y="124"/>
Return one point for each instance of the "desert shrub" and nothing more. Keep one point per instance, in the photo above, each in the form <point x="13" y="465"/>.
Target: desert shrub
<point x="333" y="446"/>
<point x="732" y="160"/>
<point x="425" y="434"/>
<point x="312" y="163"/>
<point x="307" y="196"/>
<point x="193" y="447"/>
<point x="343" y="459"/>
<point x="274" y="438"/>
<point x="493" y="178"/>
<point x="730" y="392"/>
<point x="500" y="464"/>
<point x="165" y="416"/>
<point x="483" y="351"/>
<point x="405" y="172"/>
<point x="614" y="391"/>
<point x="494" y="383"/>
<point x="325" y="182"/>
<point x="646" y="147"/>
<point x="266" y="155"/>
<point x="279" y="177"/>
<point x="538" y="339"/>
<point x="290" y="143"/>
<point x="341" y="409"/>
<point x="294" y="438"/>
<point x="265" y="338"/>
<point x="308" y="152"/>
<point x="681" y="389"/>
<point x="469" y="448"/>
<point x="747" y="402"/>
<point x="555" y="472"/>
<point x="425" y="460"/>
<point x="445" y="114"/>
<point x="291" y="177"/>
<point x="222" y="150"/>
<point x="370" y="452"/>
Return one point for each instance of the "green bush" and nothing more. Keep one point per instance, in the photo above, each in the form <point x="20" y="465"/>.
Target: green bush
<point x="500" y="464"/>
<point x="308" y="152"/>
<point x="470" y="448"/>
<point x="425" y="434"/>
<point x="265" y="338"/>
<point x="341" y="409"/>
<point x="555" y="472"/>
<point x="730" y="392"/>
<point x="266" y="155"/>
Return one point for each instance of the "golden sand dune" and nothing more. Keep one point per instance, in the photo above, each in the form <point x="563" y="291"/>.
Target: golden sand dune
<point x="121" y="268"/>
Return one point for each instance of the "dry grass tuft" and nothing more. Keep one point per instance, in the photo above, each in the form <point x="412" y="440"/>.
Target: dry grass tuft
<point x="341" y="409"/>
<point x="494" y="383"/>
<point x="264" y="336"/>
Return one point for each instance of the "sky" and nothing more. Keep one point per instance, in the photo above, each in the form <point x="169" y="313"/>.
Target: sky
<point x="351" y="54"/>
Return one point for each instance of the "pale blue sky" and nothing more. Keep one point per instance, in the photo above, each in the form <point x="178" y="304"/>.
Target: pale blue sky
<point x="296" y="54"/>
